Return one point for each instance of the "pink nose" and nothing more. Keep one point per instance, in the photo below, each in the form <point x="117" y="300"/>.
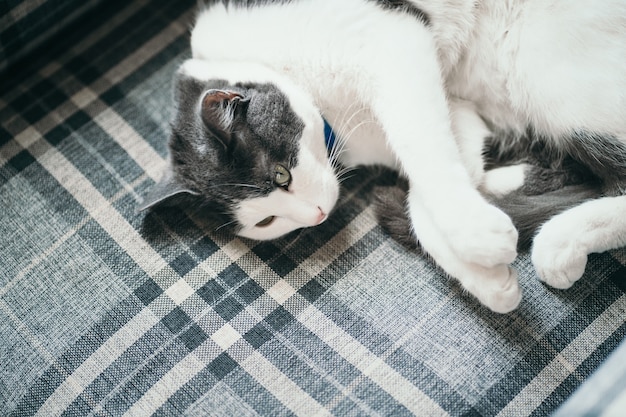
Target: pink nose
<point x="321" y="216"/>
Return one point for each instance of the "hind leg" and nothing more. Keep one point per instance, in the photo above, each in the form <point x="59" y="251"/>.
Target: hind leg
<point x="471" y="134"/>
<point x="561" y="247"/>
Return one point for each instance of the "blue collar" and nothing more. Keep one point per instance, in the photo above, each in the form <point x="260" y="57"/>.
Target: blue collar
<point x="329" y="136"/>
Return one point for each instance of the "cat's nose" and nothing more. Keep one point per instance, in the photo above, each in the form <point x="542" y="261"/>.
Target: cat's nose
<point x="321" y="216"/>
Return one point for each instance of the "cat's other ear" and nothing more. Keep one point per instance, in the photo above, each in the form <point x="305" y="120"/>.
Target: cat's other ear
<point x="167" y="188"/>
<point x="220" y="109"/>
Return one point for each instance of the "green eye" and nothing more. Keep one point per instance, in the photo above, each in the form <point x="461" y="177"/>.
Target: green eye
<point x="282" y="176"/>
<point x="266" y="221"/>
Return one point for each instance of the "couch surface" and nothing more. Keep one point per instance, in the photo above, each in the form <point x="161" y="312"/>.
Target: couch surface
<point x="104" y="311"/>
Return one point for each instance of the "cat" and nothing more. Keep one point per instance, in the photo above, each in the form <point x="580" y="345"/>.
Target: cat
<point x="403" y="83"/>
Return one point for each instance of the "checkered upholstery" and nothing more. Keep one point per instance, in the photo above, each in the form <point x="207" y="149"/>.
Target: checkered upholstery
<point x="104" y="311"/>
<point x="28" y="25"/>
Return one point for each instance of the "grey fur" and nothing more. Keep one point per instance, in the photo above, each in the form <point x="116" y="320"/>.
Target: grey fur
<point x="527" y="212"/>
<point x="550" y="168"/>
<point x="604" y="156"/>
<point x="220" y="161"/>
<point x="530" y="212"/>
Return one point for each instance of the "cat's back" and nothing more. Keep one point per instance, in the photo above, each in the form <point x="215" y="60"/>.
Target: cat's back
<point x="275" y="31"/>
<point x="306" y="38"/>
<point x="554" y="65"/>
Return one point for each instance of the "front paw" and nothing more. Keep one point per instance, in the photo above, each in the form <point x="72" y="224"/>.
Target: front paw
<point x="559" y="262"/>
<point x="484" y="236"/>
<point x="497" y="288"/>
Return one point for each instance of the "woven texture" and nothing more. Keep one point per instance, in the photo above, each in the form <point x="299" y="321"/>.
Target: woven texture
<point x="104" y="311"/>
<point x="28" y="25"/>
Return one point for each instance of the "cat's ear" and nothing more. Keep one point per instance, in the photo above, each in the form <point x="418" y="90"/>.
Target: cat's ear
<point x="220" y="109"/>
<point x="167" y="188"/>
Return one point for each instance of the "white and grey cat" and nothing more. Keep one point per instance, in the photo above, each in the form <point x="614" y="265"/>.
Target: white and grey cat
<point x="415" y="85"/>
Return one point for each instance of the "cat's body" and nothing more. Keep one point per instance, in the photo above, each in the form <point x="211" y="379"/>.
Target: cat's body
<point x="385" y="75"/>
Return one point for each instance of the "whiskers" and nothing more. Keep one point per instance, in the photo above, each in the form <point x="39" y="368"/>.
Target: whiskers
<point x="346" y="129"/>
<point x="230" y="223"/>
<point x="297" y="235"/>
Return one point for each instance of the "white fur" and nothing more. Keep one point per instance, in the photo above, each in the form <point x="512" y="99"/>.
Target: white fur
<point x="558" y="66"/>
<point x="560" y="249"/>
<point x="383" y="81"/>
<point x="501" y="181"/>
<point x="312" y="195"/>
<point x="470" y="132"/>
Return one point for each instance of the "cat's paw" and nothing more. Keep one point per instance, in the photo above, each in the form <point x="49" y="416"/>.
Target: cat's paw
<point x="502" y="181"/>
<point x="485" y="236"/>
<point x="559" y="262"/>
<point x="499" y="289"/>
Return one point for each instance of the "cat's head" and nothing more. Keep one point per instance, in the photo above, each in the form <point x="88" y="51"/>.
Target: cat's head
<point x="250" y="153"/>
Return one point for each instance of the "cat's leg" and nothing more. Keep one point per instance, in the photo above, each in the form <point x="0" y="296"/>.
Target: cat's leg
<point x="465" y="232"/>
<point x="496" y="287"/>
<point x="470" y="132"/>
<point x="561" y="247"/>
<point x="418" y="127"/>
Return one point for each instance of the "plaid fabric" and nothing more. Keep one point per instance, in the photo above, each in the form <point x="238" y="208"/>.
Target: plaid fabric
<point x="604" y="394"/>
<point x="104" y="311"/>
<point x="27" y="25"/>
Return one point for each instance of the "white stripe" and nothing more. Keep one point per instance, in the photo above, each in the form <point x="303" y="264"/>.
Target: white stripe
<point x="264" y="371"/>
<point x="26" y="332"/>
<point x="101" y="210"/>
<point x="261" y="369"/>
<point x="235" y="250"/>
<point x="42" y="257"/>
<point x="327" y="254"/>
<point x="145" y="156"/>
<point x="167" y="386"/>
<point x="89" y="370"/>
<point x="123" y="234"/>
<point x="25" y="138"/>
<point x="111" y="221"/>
<point x="131" y="243"/>
<point x="135" y="146"/>
<point x="147" y="50"/>
<point x="569" y="359"/>
<point x="79" y="47"/>
<point x="369" y="364"/>
<point x="283" y="388"/>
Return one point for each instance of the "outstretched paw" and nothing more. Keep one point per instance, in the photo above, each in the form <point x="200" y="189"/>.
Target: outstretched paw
<point x="497" y="288"/>
<point x="484" y="236"/>
<point x="558" y="262"/>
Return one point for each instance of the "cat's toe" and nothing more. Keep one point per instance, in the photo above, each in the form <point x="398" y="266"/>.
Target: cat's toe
<point x="558" y="262"/>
